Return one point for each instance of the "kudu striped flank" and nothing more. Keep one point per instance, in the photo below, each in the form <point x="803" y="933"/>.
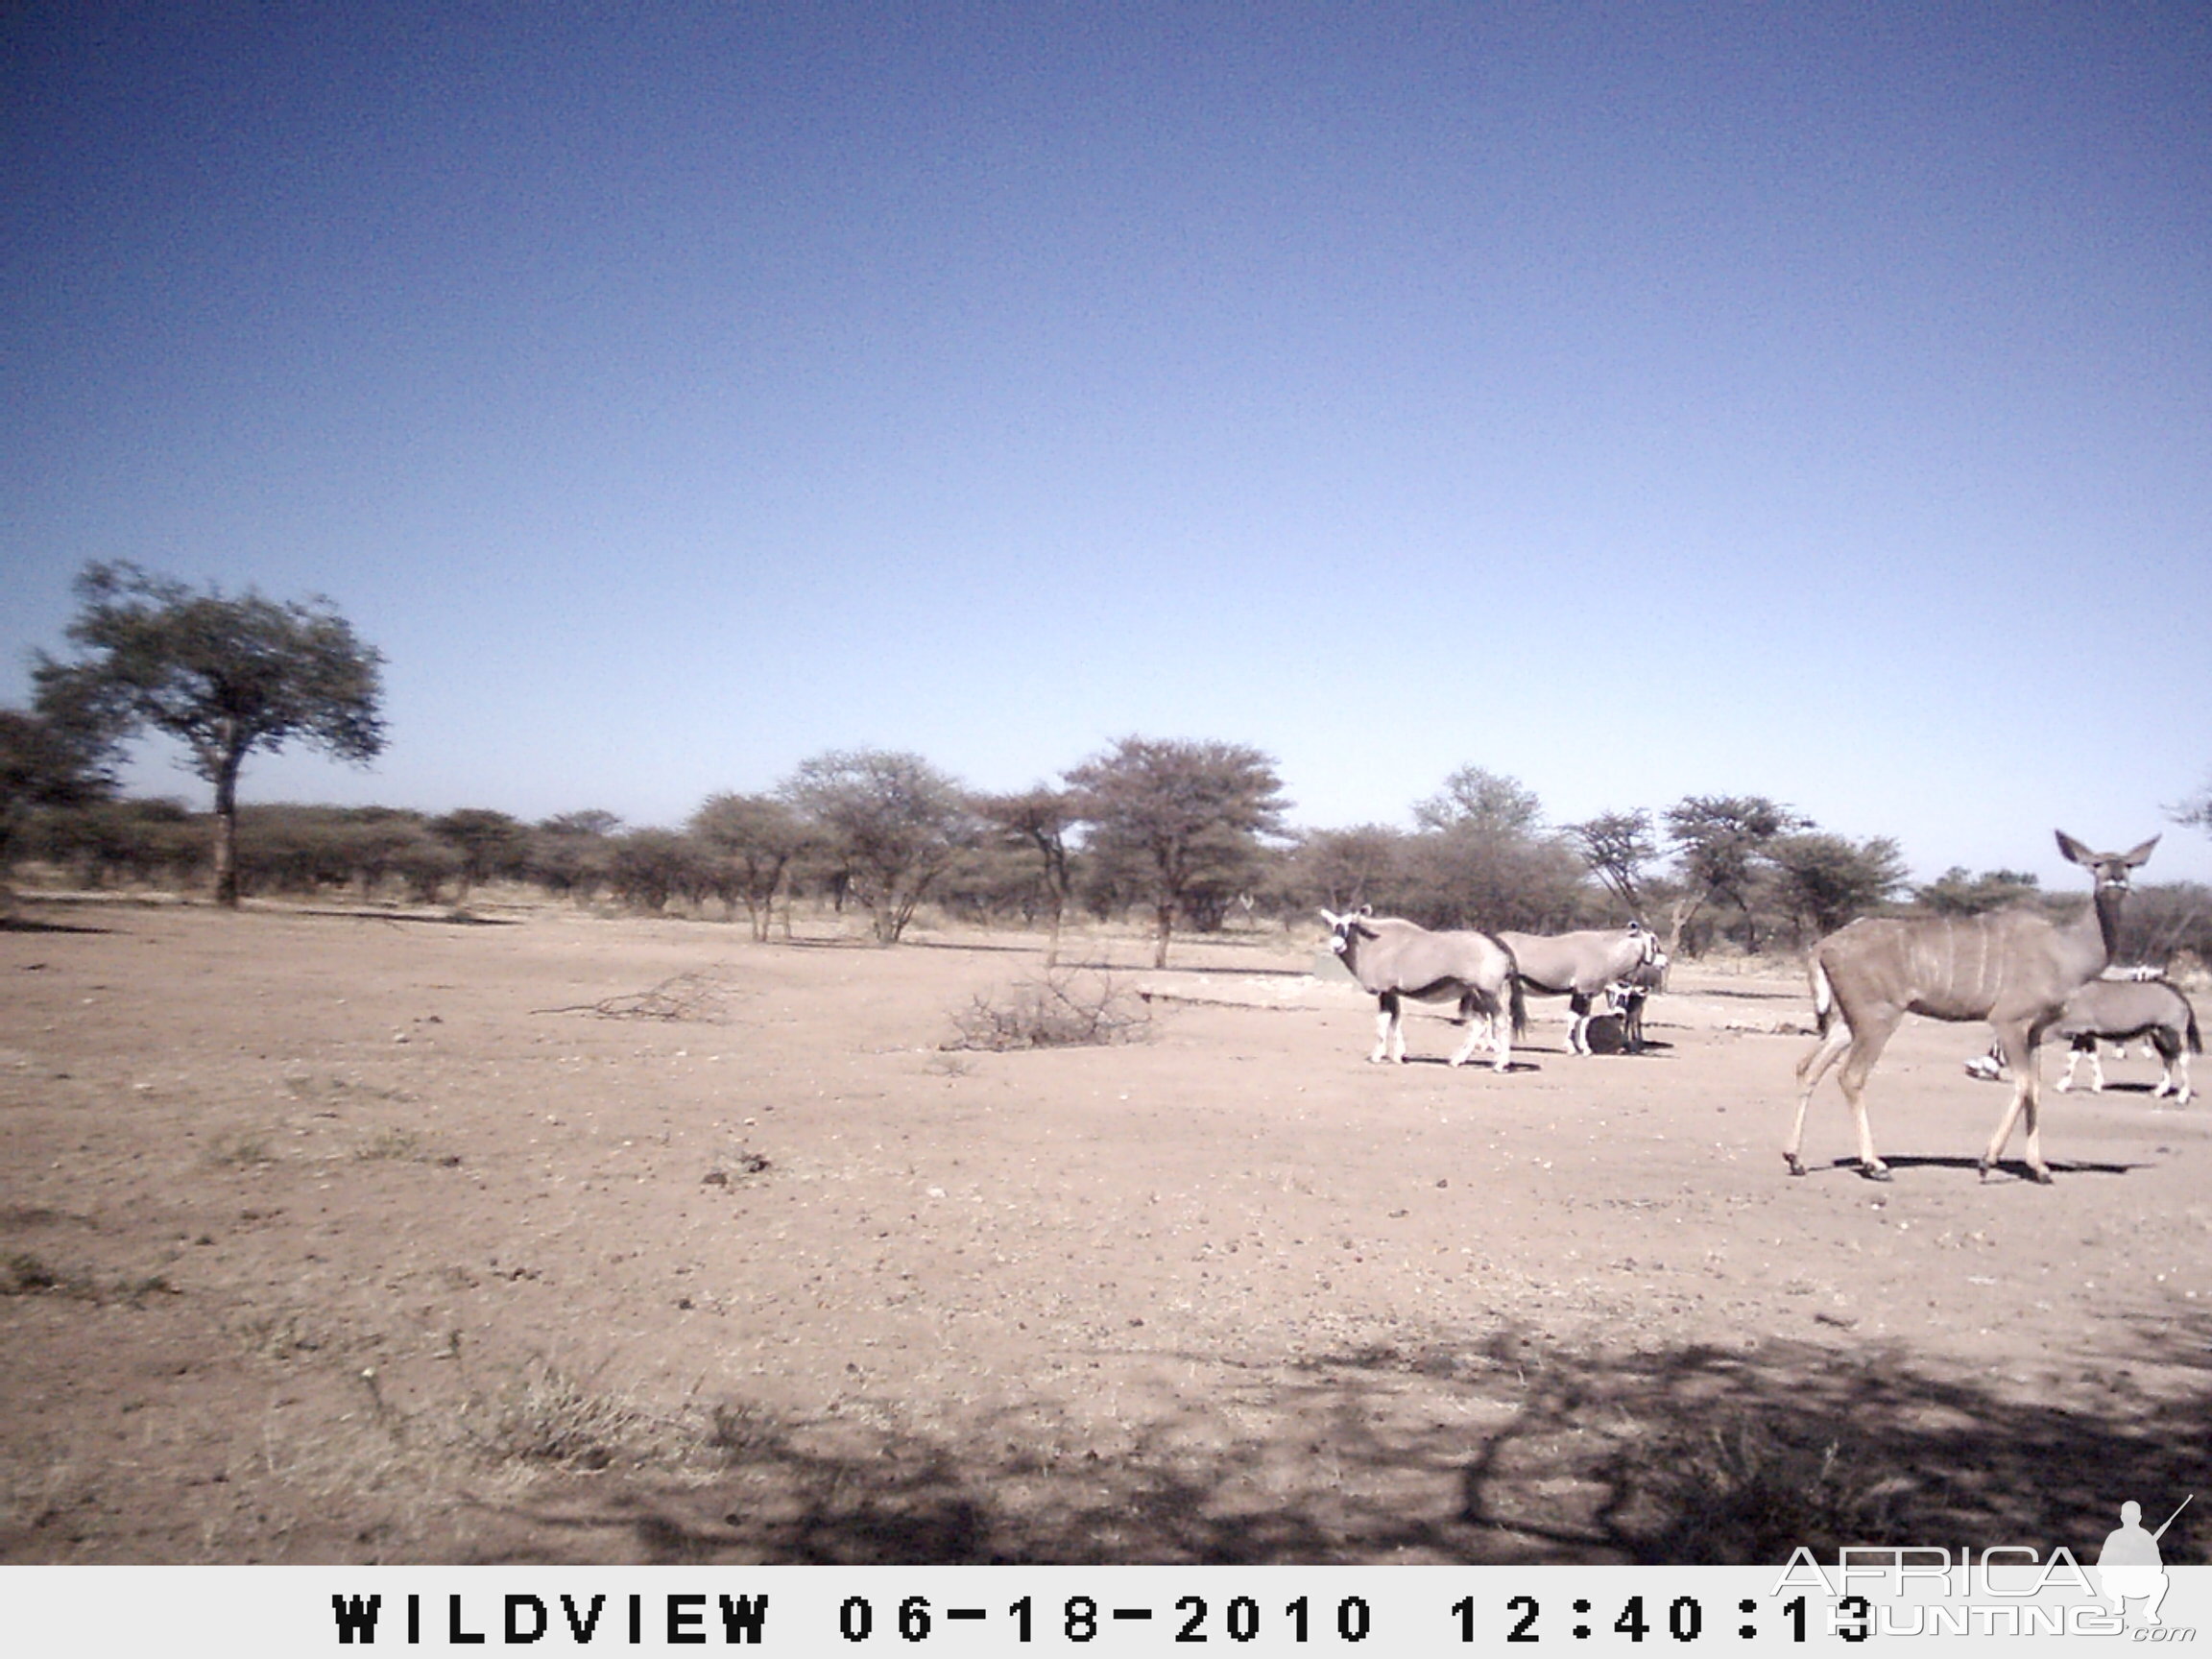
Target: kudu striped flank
<point x="2012" y="968"/>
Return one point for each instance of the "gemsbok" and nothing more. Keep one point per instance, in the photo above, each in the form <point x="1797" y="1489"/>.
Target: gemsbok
<point x="2151" y="1009"/>
<point x="1393" y="959"/>
<point x="1579" y="966"/>
<point x="1628" y="995"/>
<point x="2012" y="968"/>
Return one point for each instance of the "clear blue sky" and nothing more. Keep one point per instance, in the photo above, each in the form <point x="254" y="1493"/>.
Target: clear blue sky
<point x="1638" y="400"/>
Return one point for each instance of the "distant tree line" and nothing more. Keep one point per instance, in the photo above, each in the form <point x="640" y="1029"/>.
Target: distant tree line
<point x="1187" y="835"/>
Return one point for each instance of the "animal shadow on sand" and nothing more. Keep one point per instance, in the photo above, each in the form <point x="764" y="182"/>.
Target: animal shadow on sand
<point x="416" y="918"/>
<point x="2016" y="1167"/>
<point x="1445" y="1061"/>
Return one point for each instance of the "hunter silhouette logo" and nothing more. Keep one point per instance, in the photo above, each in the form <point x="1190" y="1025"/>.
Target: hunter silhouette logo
<point x="2129" y="1565"/>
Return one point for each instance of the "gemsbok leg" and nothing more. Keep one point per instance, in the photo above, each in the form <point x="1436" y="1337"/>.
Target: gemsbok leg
<point x="1389" y="1030"/>
<point x="2174" y="1080"/>
<point x="1472" y="1040"/>
<point x="2083" y="1046"/>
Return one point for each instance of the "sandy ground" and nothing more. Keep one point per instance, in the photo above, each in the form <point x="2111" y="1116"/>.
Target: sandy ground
<point x="339" y="1238"/>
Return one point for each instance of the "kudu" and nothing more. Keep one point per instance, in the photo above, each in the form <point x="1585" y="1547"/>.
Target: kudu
<point x="2010" y="967"/>
<point x="1393" y="959"/>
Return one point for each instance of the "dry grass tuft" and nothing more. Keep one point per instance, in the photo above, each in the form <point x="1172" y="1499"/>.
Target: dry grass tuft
<point x="25" y="1274"/>
<point x="239" y="1149"/>
<point x="396" y="1146"/>
<point x="1738" y="1492"/>
<point x="547" y="1416"/>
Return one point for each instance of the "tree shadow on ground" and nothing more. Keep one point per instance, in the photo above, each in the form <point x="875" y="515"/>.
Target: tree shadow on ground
<point x="971" y="947"/>
<point x="405" y="918"/>
<point x="959" y="946"/>
<point x="32" y="924"/>
<point x="1498" y="1451"/>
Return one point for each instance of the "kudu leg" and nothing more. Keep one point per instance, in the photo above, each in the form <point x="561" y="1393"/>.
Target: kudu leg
<point x="1853" y="1078"/>
<point x="1810" y="1070"/>
<point x="2025" y="1105"/>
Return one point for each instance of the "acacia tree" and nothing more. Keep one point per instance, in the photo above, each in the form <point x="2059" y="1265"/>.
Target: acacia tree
<point x="894" y="822"/>
<point x="2197" y="809"/>
<point x="1827" y="880"/>
<point x="572" y="853"/>
<point x="650" y="867"/>
<point x="45" y="760"/>
<point x="1039" y="820"/>
<point x="224" y="677"/>
<point x="1722" y="842"/>
<point x="1344" y="869"/>
<point x="1182" y="818"/>
<point x="1956" y="893"/>
<point x="752" y="840"/>
<point x="1617" y="847"/>
<point x="490" y="844"/>
<point x="1481" y="803"/>
<point x="1483" y="859"/>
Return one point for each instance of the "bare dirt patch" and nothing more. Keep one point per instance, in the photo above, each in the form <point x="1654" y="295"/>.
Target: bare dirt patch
<point x="339" y="1238"/>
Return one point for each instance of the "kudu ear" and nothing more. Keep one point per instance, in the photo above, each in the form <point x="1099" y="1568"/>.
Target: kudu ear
<point x="2081" y="854"/>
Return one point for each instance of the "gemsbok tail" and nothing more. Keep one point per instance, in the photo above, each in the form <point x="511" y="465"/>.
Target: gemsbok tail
<point x="1516" y="1001"/>
<point x="2196" y="1043"/>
